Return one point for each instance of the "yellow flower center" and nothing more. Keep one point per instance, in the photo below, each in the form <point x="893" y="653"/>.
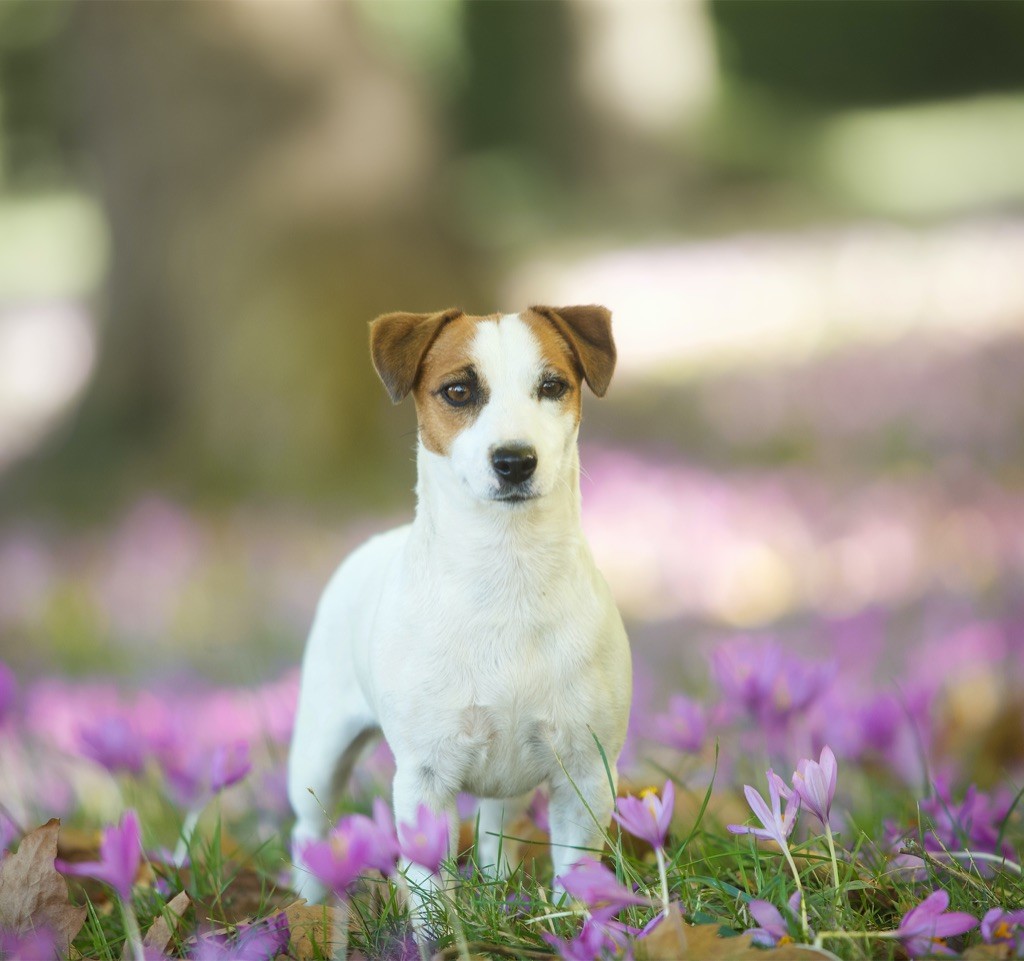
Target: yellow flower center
<point x="1002" y="931"/>
<point x="649" y="792"/>
<point x="785" y="939"/>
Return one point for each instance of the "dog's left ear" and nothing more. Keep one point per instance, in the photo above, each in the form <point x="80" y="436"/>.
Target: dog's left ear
<point x="398" y="344"/>
<point x="588" y="331"/>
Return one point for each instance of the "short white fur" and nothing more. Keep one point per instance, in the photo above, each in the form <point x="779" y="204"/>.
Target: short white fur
<point x="480" y="639"/>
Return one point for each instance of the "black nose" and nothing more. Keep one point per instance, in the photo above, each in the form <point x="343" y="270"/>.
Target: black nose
<point x="514" y="464"/>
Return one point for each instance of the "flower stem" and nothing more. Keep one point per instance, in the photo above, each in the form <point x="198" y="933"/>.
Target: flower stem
<point x="132" y="932"/>
<point x="996" y="859"/>
<point x="832" y="854"/>
<point x="799" y="887"/>
<point x="663" y="874"/>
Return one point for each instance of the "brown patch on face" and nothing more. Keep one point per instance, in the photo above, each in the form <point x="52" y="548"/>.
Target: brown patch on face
<point x="398" y="344"/>
<point x="588" y="332"/>
<point x="558" y="358"/>
<point x="447" y="362"/>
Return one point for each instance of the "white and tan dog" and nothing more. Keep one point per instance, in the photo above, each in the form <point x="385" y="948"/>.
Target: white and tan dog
<point x="480" y="639"/>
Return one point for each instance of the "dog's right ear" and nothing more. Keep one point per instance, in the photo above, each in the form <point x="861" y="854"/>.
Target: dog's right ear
<point x="398" y="344"/>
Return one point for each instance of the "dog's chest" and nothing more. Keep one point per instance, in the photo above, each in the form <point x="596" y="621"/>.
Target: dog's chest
<point x="491" y="694"/>
<point x="498" y="753"/>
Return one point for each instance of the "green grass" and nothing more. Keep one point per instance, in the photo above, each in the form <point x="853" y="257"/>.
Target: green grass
<point x="712" y="874"/>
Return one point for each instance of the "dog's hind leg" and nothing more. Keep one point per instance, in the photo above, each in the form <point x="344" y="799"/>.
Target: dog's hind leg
<point x="491" y="848"/>
<point x="330" y="734"/>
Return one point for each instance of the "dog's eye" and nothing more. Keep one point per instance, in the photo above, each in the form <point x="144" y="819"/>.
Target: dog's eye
<point x="458" y="395"/>
<point x="552" y="388"/>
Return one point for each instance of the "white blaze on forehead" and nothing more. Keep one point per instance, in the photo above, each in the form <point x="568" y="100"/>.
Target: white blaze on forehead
<point x="507" y="356"/>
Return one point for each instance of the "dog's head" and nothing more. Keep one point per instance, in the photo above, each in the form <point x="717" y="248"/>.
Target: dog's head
<point x="497" y="397"/>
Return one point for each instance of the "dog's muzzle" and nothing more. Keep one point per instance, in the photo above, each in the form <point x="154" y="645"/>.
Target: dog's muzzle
<point x="514" y="465"/>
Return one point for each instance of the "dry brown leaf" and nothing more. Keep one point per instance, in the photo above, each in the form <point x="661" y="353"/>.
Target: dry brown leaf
<point x="32" y="893"/>
<point x="160" y="932"/>
<point x="672" y="940"/>
<point x="78" y="844"/>
<point x="314" y="924"/>
<point x="989" y="952"/>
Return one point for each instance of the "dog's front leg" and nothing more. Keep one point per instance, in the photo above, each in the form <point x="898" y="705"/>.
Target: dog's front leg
<point x="415" y="785"/>
<point x="579" y="812"/>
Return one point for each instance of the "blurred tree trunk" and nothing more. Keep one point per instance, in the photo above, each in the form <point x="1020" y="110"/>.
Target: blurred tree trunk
<point x="269" y="184"/>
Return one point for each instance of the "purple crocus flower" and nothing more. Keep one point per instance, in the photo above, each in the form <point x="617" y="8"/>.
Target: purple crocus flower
<point x="600" y="937"/>
<point x="880" y="722"/>
<point x="378" y="835"/>
<point x="775" y="826"/>
<point x="120" y="856"/>
<point x="771" y="685"/>
<point x="32" y="945"/>
<point x="774" y="927"/>
<point x="426" y="841"/>
<point x="815" y="783"/>
<point x="973" y="823"/>
<point x="683" y="726"/>
<point x="647" y="817"/>
<point x="591" y="943"/>
<point x="337" y="861"/>
<point x="200" y="775"/>
<point x="592" y="883"/>
<point x="229" y="764"/>
<point x="115" y="742"/>
<point x="1004" y="927"/>
<point x="924" y="928"/>
<point x="259" y="941"/>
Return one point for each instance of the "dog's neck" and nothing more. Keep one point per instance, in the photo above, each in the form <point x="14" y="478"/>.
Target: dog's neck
<point x="462" y="530"/>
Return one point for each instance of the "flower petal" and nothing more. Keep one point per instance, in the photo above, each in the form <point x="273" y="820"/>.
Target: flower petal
<point x="758" y="805"/>
<point x="768" y="916"/>
<point x="956" y="922"/>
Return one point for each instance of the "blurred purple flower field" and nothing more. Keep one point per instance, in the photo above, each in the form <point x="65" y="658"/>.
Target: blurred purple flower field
<point x="885" y="619"/>
<point x="896" y="635"/>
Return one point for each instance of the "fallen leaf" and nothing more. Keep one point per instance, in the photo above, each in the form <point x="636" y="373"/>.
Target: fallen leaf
<point x="316" y="930"/>
<point x="32" y="892"/>
<point x="672" y="940"/>
<point x="78" y="844"/>
<point x="988" y="952"/>
<point x="160" y="931"/>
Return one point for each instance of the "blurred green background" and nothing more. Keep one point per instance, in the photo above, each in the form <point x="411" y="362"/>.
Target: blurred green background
<point x="807" y="219"/>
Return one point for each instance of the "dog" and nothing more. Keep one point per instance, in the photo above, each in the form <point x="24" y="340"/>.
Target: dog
<point x="480" y="639"/>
